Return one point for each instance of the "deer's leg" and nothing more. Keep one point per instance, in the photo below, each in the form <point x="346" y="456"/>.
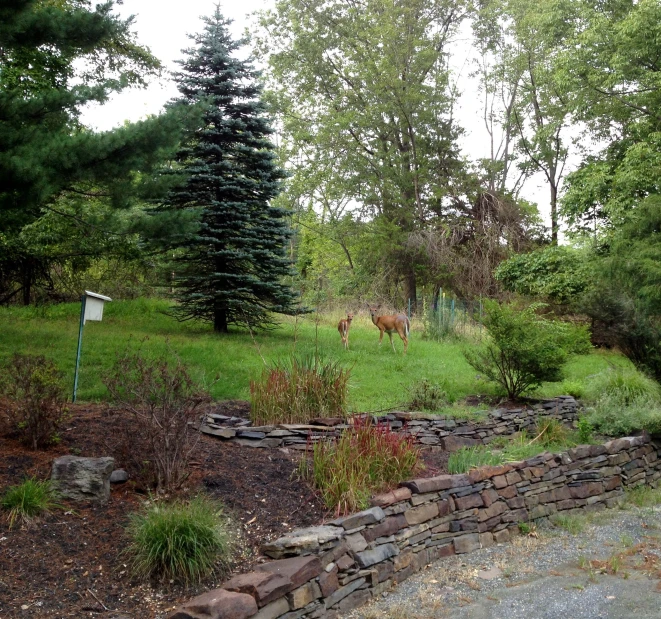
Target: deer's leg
<point x="391" y="343"/>
<point x="380" y="337"/>
<point x="406" y="342"/>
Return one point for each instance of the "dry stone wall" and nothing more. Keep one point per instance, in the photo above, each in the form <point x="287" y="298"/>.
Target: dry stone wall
<point x="446" y="432"/>
<point x="327" y="570"/>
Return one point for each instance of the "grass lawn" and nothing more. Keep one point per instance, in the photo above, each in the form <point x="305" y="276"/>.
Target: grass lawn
<point x="380" y="379"/>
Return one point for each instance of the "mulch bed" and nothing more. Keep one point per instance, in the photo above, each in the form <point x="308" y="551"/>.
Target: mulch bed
<point x="69" y="564"/>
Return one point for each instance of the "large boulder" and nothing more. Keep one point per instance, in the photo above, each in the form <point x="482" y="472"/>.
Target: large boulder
<point x="83" y="479"/>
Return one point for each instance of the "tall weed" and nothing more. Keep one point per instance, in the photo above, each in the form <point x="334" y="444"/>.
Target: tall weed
<point x="299" y="389"/>
<point x="366" y="459"/>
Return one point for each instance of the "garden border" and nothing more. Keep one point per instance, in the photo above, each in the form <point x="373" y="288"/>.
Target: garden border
<point x="320" y="572"/>
<point x="429" y="430"/>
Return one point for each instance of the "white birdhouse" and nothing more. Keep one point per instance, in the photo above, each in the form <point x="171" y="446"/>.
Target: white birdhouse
<point x="94" y="306"/>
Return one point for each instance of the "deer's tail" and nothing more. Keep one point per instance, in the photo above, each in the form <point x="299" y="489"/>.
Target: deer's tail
<point x="407" y="327"/>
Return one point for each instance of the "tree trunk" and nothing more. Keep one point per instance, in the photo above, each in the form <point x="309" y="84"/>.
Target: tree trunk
<point x="410" y="288"/>
<point x="554" y="214"/>
<point x="27" y="282"/>
<point x="220" y="320"/>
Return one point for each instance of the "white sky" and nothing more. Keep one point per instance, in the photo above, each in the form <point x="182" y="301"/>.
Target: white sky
<point x="162" y="26"/>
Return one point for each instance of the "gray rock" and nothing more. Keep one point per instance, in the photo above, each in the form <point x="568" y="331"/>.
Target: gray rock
<point x="119" y="476"/>
<point x="301" y="542"/>
<point x="378" y="554"/>
<point x="83" y="479"/>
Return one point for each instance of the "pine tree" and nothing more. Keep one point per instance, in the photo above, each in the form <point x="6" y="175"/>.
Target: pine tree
<point x="230" y="270"/>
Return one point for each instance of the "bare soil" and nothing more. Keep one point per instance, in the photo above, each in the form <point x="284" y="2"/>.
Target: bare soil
<point x="70" y="564"/>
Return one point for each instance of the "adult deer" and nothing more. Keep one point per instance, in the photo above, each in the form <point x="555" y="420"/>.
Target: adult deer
<point x="343" y="327"/>
<point x="388" y="324"/>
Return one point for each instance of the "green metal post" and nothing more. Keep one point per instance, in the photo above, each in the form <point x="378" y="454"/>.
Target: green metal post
<point x="80" y="344"/>
<point x="409" y="314"/>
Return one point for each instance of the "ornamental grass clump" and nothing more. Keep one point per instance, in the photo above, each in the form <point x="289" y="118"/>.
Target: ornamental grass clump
<point x="29" y="500"/>
<point x="299" y="389"/>
<point x="365" y="460"/>
<point x="181" y="542"/>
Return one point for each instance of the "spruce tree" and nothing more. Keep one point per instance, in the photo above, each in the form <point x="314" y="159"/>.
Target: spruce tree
<point x="230" y="270"/>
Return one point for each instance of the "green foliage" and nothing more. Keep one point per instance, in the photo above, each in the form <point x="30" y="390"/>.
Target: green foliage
<point x="610" y="70"/>
<point x="373" y="126"/>
<point x="155" y="404"/>
<point x="365" y="460"/>
<point x="58" y="57"/>
<point x="35" y="399"/>
<point x="584" y="430"/>
<point x="427" y="396"/>
<point x="230" y="269"/>
<point x="624" y="402"/>
<point x="525" y="349"/>
<point x="299" y="389"/>
<point x="644" y="496"/>
<point x="181" y="542"/>
<point x="548" y="435"/>
<point x="575" y="388"/>
<point x="468" y="458"/>
<point x="28" y="500"/>
<point x="626" y="295"/>
<point x="557" y="274"/>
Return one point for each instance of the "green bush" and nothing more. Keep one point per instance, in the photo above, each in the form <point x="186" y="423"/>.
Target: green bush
<point x="34" y="401"/>
<point x="427" y="396"/>
<point x="299" y="389"/>
<point x="368" y="459"/>
<point x="624" y="402"/>
<point x="29" y="500"/>
<point x="184" y="542"/>
<point x="525" y="349"/>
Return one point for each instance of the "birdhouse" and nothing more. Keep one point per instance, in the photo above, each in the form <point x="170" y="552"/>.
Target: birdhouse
<point x="94" y="306"/>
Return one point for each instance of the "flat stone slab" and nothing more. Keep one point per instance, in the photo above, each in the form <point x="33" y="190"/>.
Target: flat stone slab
<point x="297" y="570"/>
<point x="217" y="604"/>
<point x="302" y="541"/>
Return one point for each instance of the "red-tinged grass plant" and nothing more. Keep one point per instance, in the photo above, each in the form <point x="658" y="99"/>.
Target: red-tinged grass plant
<point x="299" y="389"/>
<point x="367" y="459"/>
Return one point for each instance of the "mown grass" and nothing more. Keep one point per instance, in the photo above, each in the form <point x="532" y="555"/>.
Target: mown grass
<point x="380" y="379"/>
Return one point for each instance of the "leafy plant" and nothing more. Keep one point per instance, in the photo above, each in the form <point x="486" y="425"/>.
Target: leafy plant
<point x="367" y="459"/>
<point x="625" y="401"/>
<point x="584" y="430"/>
<point x="156" y="401"/>
<point x="34" y="400"/>
<point x="427" y="396"/>
<point x="299" y="389"/>
<point x="178" y="541"/>
<point x="468" y="458"/>
<point x="29" y="500"/>
<point x="525" y="349"/>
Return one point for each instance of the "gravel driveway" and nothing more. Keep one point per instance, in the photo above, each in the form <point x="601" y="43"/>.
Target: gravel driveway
<point x="609" y="570"/>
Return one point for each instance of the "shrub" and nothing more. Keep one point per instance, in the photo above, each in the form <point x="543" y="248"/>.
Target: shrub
<point x="468" y="458"/>
<point x="427" y="396"/>
<point x="29" y="500"/>
<point x="368" y="459"/>
<point x="525" y="350"/>
<point x="625" y="401"/>
<point x="156" y="401"/>
<point x="35" y="399"/>
<point x="299" y="389"/>
<point x="178" y="541"/>
<point x="584" y="430"/>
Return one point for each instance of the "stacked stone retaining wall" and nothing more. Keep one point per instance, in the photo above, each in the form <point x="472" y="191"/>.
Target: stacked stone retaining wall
<point x="447" y="432"/>
<point x="327" y="570"/>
